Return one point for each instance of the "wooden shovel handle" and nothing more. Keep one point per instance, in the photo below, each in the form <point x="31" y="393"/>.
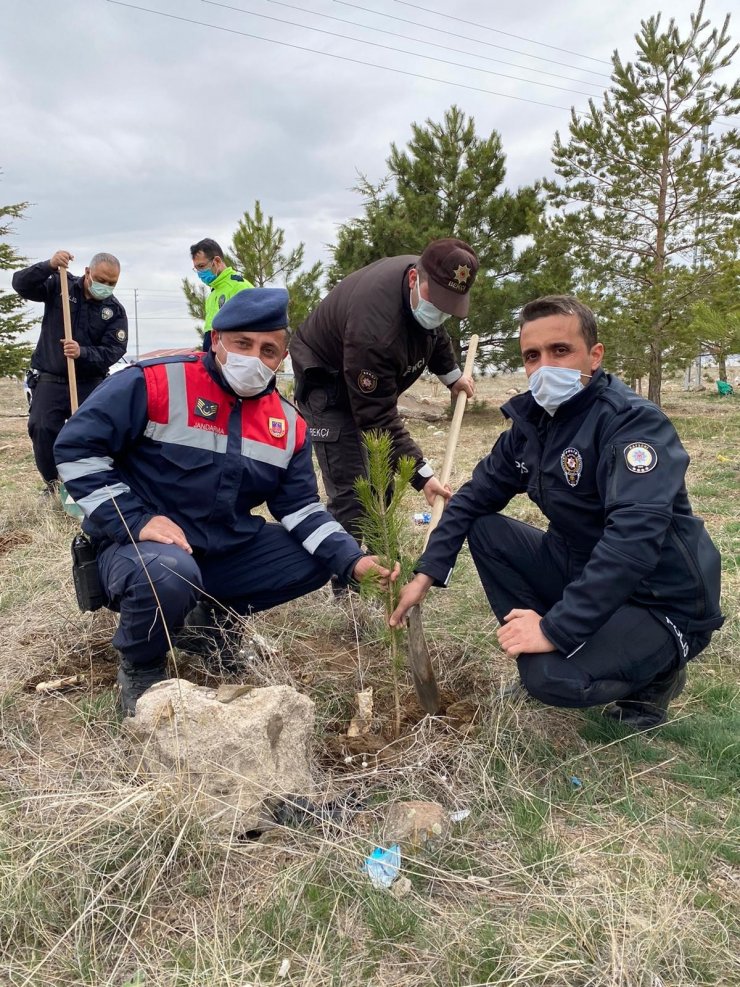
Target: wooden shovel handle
<point x="71" y="369"/>
<point x="454" y="435"/>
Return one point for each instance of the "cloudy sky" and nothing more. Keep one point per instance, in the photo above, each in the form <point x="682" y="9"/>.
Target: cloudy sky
<point x="140" y="132"/>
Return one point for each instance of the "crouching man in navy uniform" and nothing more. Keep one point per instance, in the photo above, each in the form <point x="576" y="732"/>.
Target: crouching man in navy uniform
<point x="622" y="589"/>
<point x="168" y="459"/>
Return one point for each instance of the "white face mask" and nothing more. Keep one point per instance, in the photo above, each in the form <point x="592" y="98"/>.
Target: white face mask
<point x="247" y="375"/>
<point x="426" y="314"/>
<point x="553" y="386"/>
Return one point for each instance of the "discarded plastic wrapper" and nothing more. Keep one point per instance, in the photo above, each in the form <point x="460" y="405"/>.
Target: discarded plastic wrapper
<point x="423" y="517"/>
<point x="459" y="815"/>
<point x="382" y="866"/>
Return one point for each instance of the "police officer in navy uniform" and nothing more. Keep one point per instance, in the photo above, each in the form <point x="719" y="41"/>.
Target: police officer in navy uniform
<point x="99" y="339"/>
<point x="610" y="602"/>
<point x="168" y="459"/>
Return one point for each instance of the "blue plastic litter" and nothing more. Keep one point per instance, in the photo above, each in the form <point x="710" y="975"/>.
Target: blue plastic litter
<point x="423" y="517"/>
<point x="383" y="866"/>
<point x="576" y="782"/>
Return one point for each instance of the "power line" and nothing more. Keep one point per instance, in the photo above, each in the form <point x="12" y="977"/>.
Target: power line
<point x="342" y="58"/>
<point x="464" y="37"/>
<point x="565" y="51"/>
<point x="399" y="51"/>
<point x="433" y="44"/>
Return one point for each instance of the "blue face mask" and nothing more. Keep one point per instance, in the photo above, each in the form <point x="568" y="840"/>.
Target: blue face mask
<point x="553" y="386"/>
<point x="207" y="276"/>
<point x="426" y="314"/>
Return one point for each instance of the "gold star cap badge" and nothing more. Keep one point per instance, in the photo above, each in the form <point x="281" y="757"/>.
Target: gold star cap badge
<point x="462" y="273"/>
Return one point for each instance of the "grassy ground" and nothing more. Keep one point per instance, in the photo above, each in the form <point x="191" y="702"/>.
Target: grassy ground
<point x="590" y="856"/>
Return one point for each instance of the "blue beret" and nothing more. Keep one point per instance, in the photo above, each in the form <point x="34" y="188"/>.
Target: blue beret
<point x="254" y="310"/>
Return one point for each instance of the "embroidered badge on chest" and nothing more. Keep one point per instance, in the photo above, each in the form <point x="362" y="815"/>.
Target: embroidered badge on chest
<point x="367" y="381"/>
<point x="277" y="427"/>
<point x="106" y="313"/>
<point x="571" y="462"/>
<point x="206" y="409"/>
<point x="640" y="457"/>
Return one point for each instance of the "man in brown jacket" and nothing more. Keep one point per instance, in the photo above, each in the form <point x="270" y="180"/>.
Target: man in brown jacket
<point x="368" y="341"/>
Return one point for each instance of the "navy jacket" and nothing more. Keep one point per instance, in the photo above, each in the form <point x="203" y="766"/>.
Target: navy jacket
<point x="607" y="471"/>
<point x="169" y="437"/>
<point x="101" y="328"/>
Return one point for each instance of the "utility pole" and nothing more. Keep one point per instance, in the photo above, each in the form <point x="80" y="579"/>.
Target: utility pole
<point x="136" y="322"/>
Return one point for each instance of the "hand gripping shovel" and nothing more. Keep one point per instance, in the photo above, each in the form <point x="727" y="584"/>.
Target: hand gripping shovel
<point x="422" y="670"/>
<point x="67" y="503"/>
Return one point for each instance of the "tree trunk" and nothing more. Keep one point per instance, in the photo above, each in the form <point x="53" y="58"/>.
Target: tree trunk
<point x="656" y="371"/>
<point x="722" y="365"/>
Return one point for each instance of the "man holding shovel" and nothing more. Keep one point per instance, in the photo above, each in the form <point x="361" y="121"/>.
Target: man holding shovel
<point x="368" y="341"/>
<point x="99" y="330"/>
<point x="622" y="589"/>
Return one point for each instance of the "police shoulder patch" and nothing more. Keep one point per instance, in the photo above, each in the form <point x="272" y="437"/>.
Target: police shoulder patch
<point x="121" y="334"/>
<point x="571" y="463"/>
<point x="367" y="381"/>
<point x="640" y="457"/>
<point x="221" y="301"/>
<point x="106" y="313"/>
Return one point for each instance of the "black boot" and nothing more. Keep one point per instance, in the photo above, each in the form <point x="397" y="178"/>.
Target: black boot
<point x="134" y="680"/>
<point x="649" y="707"/>
<point x="212" y="635"/>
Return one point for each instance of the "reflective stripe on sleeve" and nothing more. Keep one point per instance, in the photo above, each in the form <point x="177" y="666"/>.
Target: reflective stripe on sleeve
<point x="321" y="534"/>
<point x="100" y="496"/>
<point x="84" y="467"/>
<point x="291" y="521"/>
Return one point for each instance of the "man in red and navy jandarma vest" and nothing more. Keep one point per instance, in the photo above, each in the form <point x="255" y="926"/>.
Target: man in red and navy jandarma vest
<point x="169" y="457"/>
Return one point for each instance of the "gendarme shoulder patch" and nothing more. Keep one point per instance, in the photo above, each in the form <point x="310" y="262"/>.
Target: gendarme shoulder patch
<point x="640" y="457"/>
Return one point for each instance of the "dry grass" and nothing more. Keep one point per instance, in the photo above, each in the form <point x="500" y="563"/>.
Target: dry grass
<point x="626" y="877"/>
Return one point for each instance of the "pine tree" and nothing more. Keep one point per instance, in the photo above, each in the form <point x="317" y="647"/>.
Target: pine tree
<point x="260" y="253"/>
<point x="14" y="356"/>
<point x="653" y="184"/>
<point x="448" y="181"/>
<point x="381" y="495"/>
<point x="716" y="319"/>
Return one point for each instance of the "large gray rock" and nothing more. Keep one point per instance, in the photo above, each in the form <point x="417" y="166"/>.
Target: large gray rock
<point x="234" y="748"/>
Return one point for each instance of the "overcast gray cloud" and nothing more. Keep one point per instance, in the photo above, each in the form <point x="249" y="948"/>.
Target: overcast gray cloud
<point x="138" y="133"/>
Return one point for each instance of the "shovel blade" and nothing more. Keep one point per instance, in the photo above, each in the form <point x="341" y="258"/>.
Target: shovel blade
<point x="420" y="663"/>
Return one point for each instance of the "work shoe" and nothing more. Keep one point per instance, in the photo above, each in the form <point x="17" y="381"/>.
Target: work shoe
<point x="217" y="639"/>
<point x="134" y="680"/>
<point x="649" y="707"/>
<point x="513" y="690"/>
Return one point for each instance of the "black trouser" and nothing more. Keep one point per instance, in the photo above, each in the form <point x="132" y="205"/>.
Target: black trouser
<point x="50" y="408"/>
<point x="522" y="567"/>
<point x="340" y="453"/>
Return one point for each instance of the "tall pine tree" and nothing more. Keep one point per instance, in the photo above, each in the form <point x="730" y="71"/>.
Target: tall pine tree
<point x="448" y="181"/>
<point x="14" y="356"/>
<point x="647" y="183"/>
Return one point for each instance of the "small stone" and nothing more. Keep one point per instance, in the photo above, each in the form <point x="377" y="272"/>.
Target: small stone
<point x="416" y="824"/>
<point x="401" y="887"/>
